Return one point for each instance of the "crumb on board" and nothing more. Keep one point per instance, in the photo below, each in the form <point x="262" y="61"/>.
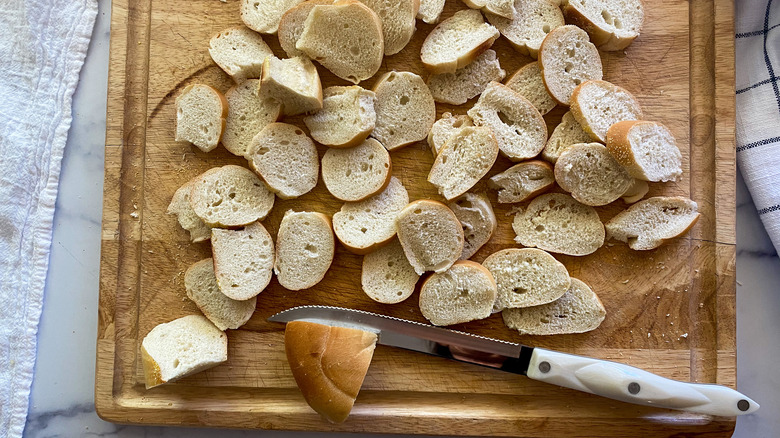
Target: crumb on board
<point x="684" y="335"/>
<point x="625" y="281"/>
<point x="134" y="215"/>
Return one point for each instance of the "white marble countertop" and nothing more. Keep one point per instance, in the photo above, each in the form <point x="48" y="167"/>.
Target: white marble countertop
<point x="62" y="393"/>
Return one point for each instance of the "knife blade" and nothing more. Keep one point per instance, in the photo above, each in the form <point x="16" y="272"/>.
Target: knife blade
<point x="595" y="376"/>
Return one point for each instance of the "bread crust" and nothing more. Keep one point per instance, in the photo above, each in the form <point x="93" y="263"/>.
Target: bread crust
<point x="152" y="373"/>
<point x="329" y="365"/>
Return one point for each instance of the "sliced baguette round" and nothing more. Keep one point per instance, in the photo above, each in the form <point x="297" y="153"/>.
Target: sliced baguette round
<point x="647" y="150"/>
<point x="286" y="159"/>
<point x="519" y="128"/>
<point x="386" y="276"/>
<point x="182" y="347"/>
<point x="533" y="21"/>
<point x="291" y="25"/>
<point x="597" y="105"/>
<point x="225" y="313"/>
<point x="200" y="116"/>
<point x="463" y="161"/>
<point x="357" y="173"/>
<point x="367" y="225"/>
<point x="566" y="134"/>
<point x="467" y="82"/>
<point x="304" y="249"/>
<point x="398" y="21"/>
<point x="611" y="24"/>
<point x="464" y="292"/>
<point x="346" y="119"/>
<point x="591" y="174"/>
<point x="650" y="223"/>
<point x="430" y="10"/>
<point x="328" y="364"/>
<point x="522" y="181"/>
<point x="579" y="310"/>
<point x="293" y="82"/>
<point x="431" y="235"/>
<point x="263" y="15"/>
<point x="568" y="59"/>
<point x="503" y="8"/>
<point x="526" y="277"/>
<point x="457" y="41"/>
<point x="637" y="191"/>
<point x="249" y="112"/>
<point x="346" y="38"/>
<point x="444" y="128"/>
<point x="558" y="223"/>
<point x="180" y="206"/>
<point x="240" y="52"/>
<point x="243" y="260"/>
<point x="230" y="196"/>
<point x="478" y="220"/>
<point x="527" y="82"/>
<point x="405" y="110"/>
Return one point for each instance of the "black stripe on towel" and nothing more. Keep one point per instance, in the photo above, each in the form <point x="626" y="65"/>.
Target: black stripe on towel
<point x="768" y="209"/>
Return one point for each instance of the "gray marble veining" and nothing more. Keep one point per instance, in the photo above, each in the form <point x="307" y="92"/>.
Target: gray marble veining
<point x="62" y="391"/>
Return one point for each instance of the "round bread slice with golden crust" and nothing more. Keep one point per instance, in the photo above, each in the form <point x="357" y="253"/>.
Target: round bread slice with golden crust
<point x="527" y="82"/>
<point x="558" y="223"/>
<point x="567" y="133"/>
<point x="467" y="82"/>
<point x="478" y="219"/>
<point x="264" y="15"/>
<point x="591" y="174"/>
<point x="457" y="41"/>
<point x="386" y="275"/>
<point x="346" y="119"/>
<point x="568" y="59"/>
<point x="293" y="82"/>
<point x="442" y="130"/>
<point x="464" y="292"/>
<point x="357" y="173"/>
<point x="181" y="207"/>
<point x="200" y="116"/>
<point x="503" y="8"/>
<point x="647" y="150"/>
<point x="354" y="52"/>
<point x="243" y="260"/>
<point x="579" y="310"/>
<point x="291" y="25"/>
<point x="532" y="22"/>
<point x="611" y="24"/>
<point x="430" y="11"/>
<point x="597" y="105"/>
<point x="304" y="249"/>
<point x="202" y="288"/>
<point x="405" y="110"/>
<point x="398" y="21"/>
<point x="650" y="223"/>
<point x="466" y="157"/>
<point x="240" y="52"/>
<point x="522" y="181"/>
<point x="329" y="365"/>
<point x="431" y="235"/>
<point x="248" y="113"/>
<point x="526" y="277"/>
<point x="230" y="196"/>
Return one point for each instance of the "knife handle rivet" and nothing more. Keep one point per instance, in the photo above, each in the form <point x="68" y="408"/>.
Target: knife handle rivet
<point x="743" y="405"/>
<point x="633" y="388"/>
<point x="544" y="367"/>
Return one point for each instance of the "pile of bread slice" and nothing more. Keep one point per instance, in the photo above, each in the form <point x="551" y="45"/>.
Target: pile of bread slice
<point x="601" y="151"/>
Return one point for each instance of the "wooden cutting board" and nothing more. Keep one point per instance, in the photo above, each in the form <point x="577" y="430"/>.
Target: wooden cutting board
<point x="670" y="311"/>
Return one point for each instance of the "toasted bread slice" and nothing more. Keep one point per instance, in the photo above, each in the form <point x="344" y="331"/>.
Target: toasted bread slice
<point x="646" y="149"/>
<point x="180" y="206"/>
<point x="225" y="313"/>
<point x="405" y="110"/>
<point x="230" y="196"/>
<point x="519" y="128"/>
<point x="579" y="310"/>
<point x="568" y="58"/>
<point x="264" y="16"/>
<point x="357" y="173"/>
<point x="304" y="249"/>
<point x="431" y="235"/>
<point x="478" y="220"/>
<point x="463" y="161"/>
<point x="369" y="224"/>
<point x="522" y="181"/>
<point x="355" y="51"/>
<point x="526" y="277"/>
<point x="243" y="260"/>
<point x="528" y="82"/>
<point x="457" y="41"/>
<point x="240" y="52"/>
<point x="444" y="128"/>
<point x="591" y="174"/>
<point x="597" y="105"/>
<point x="293" y="82"/>
<point x="611" y="24"/>
<point x="286" y="159"/>
<point x="248" y="113"/>
<point x="467" y="82"/>
<point x="386" y="276"/>
<point x="533" y="21"/>
<point x="398" y="21"/>
<point x="650" y="223"/>
<point x="558" y="223"/>
<point x="200" y="116"/>
<point x="464" y="292"/>
<point x="346" y="119"/>
<point x="565" y="135"/>
<point x="291" y="25"/>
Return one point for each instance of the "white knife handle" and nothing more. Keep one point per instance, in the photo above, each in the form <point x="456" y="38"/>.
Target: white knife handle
<point x="625" y="383"/>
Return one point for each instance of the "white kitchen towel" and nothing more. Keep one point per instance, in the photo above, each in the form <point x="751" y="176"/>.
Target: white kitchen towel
<point x="758" y="106"/>
<point x="42" y="49"/>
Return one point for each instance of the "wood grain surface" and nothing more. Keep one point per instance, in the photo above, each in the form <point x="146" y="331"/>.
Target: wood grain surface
<point x="670" y="311"/>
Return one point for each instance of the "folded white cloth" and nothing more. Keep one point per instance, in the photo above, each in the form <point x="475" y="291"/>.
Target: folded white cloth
<point x="42" y="49"/>
<point x="758" y="106"/>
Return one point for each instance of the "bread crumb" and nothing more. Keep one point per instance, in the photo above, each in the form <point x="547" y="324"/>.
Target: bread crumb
<point x="667" y="315"/>
<point x="134" y="215"/>
<point x="684" y="335"/>
<point x="648" y="334"/>
<point x="701" y="305"/>
<point x="625" y="281"/>
<point x="739" y="283"/>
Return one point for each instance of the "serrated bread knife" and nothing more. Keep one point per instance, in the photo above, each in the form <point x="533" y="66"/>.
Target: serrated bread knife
<point x="601" y="377"/>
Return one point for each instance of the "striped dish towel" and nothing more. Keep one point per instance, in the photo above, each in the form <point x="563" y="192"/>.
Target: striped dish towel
<point x="758" y="106"/>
